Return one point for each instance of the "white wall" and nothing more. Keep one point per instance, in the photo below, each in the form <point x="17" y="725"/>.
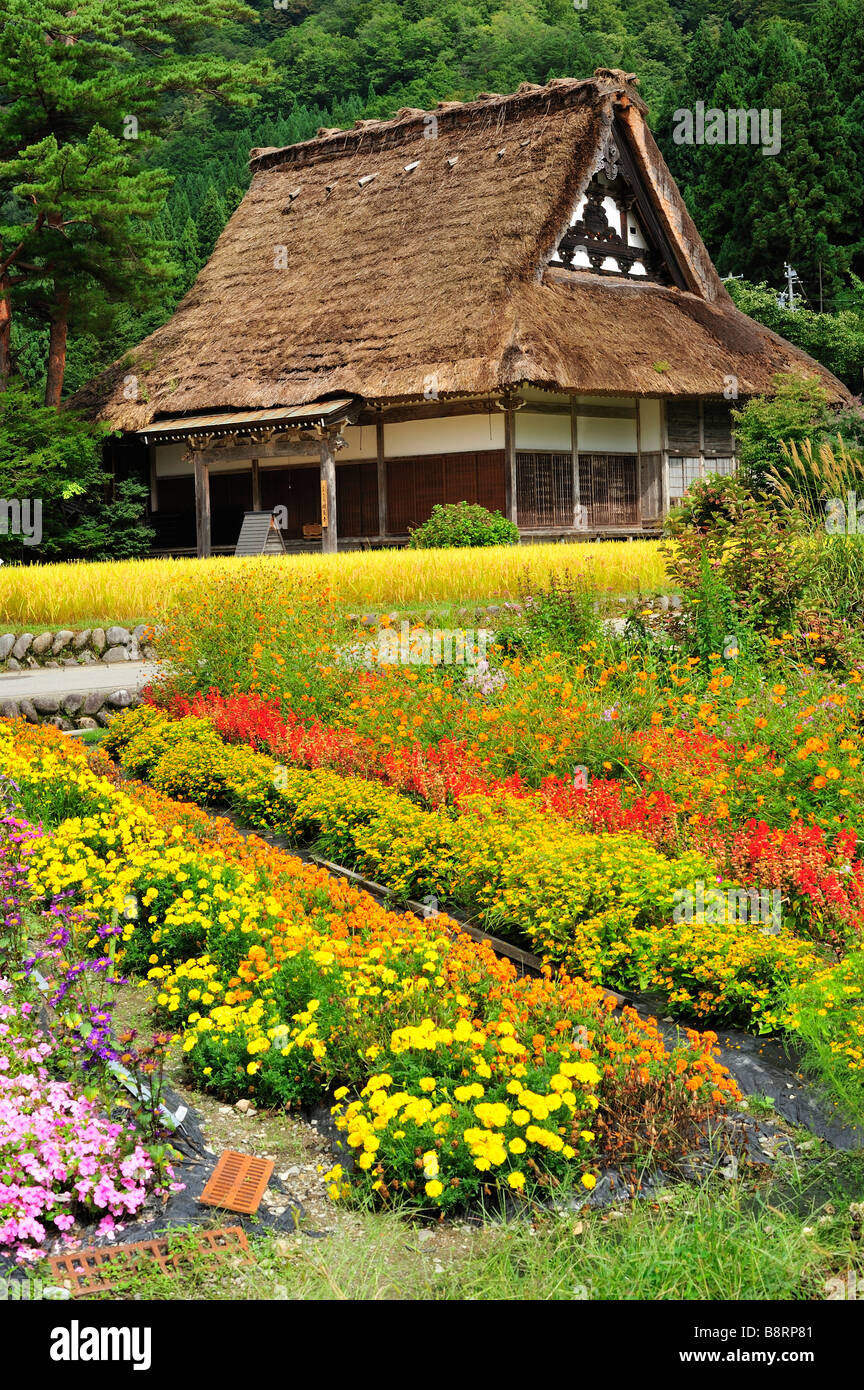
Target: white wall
<point x="545" y="433"/>
<point x="605" y="435"/>
<point x="454" y="434"/>
<point x="170" y="462"/>
<point x="537" y="393"/>
<point x="361" y="443"/>
<point x="464" y="434"/>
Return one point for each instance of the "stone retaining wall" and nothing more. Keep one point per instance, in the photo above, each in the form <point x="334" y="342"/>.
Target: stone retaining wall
<point x="28" y="651"/>
<point x="85" y="709"/>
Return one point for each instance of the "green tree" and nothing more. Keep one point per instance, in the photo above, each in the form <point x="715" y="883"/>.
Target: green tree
<point x="55" y="459"/>
<point x="211" y="220"/>
<point x="797" y="410"/>
<point x="834" y="339"/>
<point x="189" y="257"/>
<point x="85" y="94"/>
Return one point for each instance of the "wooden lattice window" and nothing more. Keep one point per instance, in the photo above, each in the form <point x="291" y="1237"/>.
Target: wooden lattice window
<point x="700" y="443"/>
<point x="609" y="489"/>
<point x="544" y="490"/>
<point x="415" y="485"/>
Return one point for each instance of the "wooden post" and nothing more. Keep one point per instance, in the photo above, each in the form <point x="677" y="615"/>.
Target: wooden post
<point x="639" y="463"/>
<point x="701" y="439"/>
<point x="512" y="499"/>
<point x="574" y="452"/>
<point x="328" y="496"/>
<point x="256" y="486"/>
<point x="154" y="481"/>
<point x="202" y="507"/>
<point x="664" y="462"/>
<point x="382" y="476"/>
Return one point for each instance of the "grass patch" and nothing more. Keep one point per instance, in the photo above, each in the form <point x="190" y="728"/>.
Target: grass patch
<point x="724" y="1242"/>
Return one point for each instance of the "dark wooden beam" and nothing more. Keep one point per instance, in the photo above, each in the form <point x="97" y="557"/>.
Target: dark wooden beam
<point x="638" y="466"/>
<point x="510" y="464"/>
<point x="202" y="507"/>
<point x="154" y="480"/>
<point x="245" y="453"/>
<point x="256" y="486"/>
<point x="664" y="461"/>
<point x="328" y="496"/>
<point x="382" y="475"/>
<point x="574" y="452"/>
<point x="427" y="410"/>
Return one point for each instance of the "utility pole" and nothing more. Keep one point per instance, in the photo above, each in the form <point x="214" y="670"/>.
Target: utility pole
<point x="792" y="279"/>
<point x="820" y="287"/>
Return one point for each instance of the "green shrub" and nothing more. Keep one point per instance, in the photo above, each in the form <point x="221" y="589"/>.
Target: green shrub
<point x="463" y="524"/>
<point x="727" y="544"/>
<point x="563" y="615"/>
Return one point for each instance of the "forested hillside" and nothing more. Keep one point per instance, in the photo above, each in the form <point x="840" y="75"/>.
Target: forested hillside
<point x="327" y="62"/>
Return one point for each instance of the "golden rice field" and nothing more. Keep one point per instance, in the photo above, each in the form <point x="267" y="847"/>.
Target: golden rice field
<point x="127" y="591"/>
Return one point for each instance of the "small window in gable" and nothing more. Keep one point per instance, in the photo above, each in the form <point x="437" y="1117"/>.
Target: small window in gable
<point x="607" y="234"/>
<point x="616" y="229"/>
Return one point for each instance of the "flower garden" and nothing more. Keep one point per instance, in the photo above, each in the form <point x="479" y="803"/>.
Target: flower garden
<point x="289" y="986"/>
<point x="641" y="814"/>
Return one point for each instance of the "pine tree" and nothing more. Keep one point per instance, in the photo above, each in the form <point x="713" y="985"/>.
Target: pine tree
<point x="83" y="101"/>
<point x="800" y="205"/>
<point x="234" y="195"/>
<point x="180" y="206"/>
<point x="211" y="221"/>
<point x="189" y="257"/>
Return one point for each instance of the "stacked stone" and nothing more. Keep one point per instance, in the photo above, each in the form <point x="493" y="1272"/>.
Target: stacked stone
<point x="109" y="646"/>
<point x="85" y="709"/>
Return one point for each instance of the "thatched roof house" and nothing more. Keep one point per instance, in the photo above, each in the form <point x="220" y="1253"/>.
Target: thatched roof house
<point x="503" y="300"/>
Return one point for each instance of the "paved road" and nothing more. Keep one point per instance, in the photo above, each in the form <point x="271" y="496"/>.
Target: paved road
<point x="68" y="680"/>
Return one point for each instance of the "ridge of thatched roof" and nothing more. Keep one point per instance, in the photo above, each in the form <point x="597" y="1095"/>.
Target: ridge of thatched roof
<point x="413" y="253"/>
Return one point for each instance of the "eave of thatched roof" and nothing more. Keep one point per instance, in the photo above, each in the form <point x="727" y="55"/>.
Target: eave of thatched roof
<point x="415" y="253"/>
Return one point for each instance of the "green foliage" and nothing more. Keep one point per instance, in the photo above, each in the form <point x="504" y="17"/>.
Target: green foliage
<point x="56" y="458"/>
<point x="182" y="69"/>
<point x="836" y="340"/>
<point x="798" y="410"/>
<point x="742" y="558"/>
<point x="715" y="615"/>
<point x="85" y="96"/>
<point x="463" y="524"/>
<point x="561" y="615"/>
<point x="802" y="203"/>
<point x="829" y="1021"/>
<point x="211" y="220"/>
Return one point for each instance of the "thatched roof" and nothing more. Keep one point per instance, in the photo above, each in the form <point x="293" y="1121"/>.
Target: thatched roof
<point x="397" y="275"/>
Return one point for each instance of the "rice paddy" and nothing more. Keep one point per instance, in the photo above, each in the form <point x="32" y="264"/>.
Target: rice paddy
<point x="131" y="591"/>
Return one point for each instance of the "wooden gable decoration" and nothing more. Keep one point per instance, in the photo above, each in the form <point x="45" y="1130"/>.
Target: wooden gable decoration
<point x="614" y="229"/>
<point x="260" y="535"/>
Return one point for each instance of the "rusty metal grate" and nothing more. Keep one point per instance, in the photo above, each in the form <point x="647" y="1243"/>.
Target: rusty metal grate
<point x="237" y="1182"/>
<point x="102" y="1268"/>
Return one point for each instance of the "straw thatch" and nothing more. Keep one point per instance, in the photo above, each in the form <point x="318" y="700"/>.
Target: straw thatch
<point x="394" y="277"/>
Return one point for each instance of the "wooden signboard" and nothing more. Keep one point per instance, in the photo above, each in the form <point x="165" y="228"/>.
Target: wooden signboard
<point x="324" y="519"/>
